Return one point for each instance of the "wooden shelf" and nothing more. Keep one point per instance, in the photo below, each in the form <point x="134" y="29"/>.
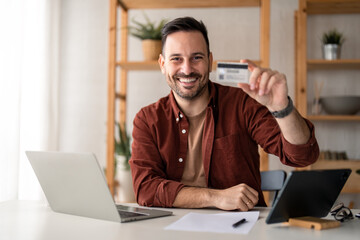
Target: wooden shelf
<point x="332" y="6"/>
<point x="346" y="161"/>
<point x="148" y="65"/>
<point x="147" y="4"/>
<point x="334" y="117"/>
<point x="333" y="64"/>
<point x="352" y="185"/>
<point x="154" y="65"/>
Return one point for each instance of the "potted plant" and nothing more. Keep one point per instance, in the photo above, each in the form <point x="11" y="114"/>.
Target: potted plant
<point x="123" y="181"/>
<point x="122" y="149"/>
<point x="150" y="34"/>
<point x="332" y="42"/>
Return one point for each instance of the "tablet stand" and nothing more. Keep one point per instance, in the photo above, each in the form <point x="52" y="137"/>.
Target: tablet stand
<point x="313" y="222"/>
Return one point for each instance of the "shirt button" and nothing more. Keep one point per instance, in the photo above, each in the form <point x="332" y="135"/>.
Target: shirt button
<point x="181" y="116"/>
<point x="177" y="119"/>
<point x="183" y="131"/>
<point x="181" y="160"/>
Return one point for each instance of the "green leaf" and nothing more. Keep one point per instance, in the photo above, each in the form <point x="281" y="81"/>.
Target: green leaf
<point x="122" y="144"/>
<point x="148" y="30"/>
<point x="333" y="37"/>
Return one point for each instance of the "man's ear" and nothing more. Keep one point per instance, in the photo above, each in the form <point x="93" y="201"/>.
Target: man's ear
<point x="210" y="61"/>
<point x="161" y="62"/>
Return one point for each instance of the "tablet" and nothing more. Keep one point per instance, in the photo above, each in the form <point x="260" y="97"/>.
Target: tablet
<point x="308" y="193"/>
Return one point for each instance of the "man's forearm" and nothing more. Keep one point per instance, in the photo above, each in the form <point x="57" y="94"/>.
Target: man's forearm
<point x="239" y="197"/>
<point x="294" y="128"/>
<point x="194" y="197"/>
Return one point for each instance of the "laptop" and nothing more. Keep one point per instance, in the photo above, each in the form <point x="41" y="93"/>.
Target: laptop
<point x="308" y="193"/>
<point x="74" y="183"/>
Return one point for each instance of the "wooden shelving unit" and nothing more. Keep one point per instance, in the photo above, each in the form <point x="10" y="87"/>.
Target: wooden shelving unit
<point x="305" y="65"/>
<point x="332" y="6"/>
<point x="124" y="65"/>
<point x="333" y="118"/>
<point x="316" y="64"/>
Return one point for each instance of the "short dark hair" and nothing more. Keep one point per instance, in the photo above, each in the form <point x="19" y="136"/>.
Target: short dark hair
<point x="184" y="24"/>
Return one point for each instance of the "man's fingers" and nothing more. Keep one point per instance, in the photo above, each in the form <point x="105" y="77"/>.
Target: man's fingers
<point x="255" y="78"/>
<point x="252" y="196"/>
<point x="239" y="197"/>
<point x="266" y="76"/>
<point x="249" y="196"/>
<point x="263" y="82"/>
<point x="249" y="203"/>
<point x="246" y="203"/>
<point x="248" y="188"/>
<point x="251" y="65"/>
<point x="270" y="84"/>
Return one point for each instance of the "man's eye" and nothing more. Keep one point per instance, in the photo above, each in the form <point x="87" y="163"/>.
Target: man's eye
<point x="198" y="57"/>
<point x="175" y="59"/>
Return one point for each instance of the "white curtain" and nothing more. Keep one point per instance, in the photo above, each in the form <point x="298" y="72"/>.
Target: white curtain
<point x="28" y="91"/>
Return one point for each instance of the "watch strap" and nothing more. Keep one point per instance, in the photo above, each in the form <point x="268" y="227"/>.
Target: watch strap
<point x="284" y="112"/>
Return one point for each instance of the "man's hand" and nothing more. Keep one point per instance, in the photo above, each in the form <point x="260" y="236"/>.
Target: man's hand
<point x="240" y="197"/>
<point x="266" y="86"/>
<point x="270" y="89"/>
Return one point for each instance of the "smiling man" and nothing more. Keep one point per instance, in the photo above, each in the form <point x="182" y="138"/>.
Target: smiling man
<point x="198" y="147"/>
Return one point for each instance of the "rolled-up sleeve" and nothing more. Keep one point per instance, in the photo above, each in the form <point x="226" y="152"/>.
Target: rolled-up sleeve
<point x="151" y="185"/>
<point x="301" y="155"/>
<point x="266" y="132"/>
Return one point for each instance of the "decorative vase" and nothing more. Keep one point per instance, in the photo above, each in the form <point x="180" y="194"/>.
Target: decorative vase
<point x="124" y="189"/>
<point x="151" y="49"/>
<point x="331" y="51"/>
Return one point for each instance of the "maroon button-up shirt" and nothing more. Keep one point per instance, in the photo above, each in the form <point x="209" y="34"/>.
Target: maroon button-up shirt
<point x="235" y="125"/>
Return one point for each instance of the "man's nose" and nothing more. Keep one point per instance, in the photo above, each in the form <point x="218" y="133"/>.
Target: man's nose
<point x="186" y="67"/>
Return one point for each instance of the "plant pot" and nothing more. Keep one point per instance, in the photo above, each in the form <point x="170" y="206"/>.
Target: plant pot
<point x="331" y="51"/>
<point x="151" y="49"/>
<point x="124" y="188"/>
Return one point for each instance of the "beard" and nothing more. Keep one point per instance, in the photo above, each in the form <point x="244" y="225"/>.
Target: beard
<point x="190" y="92"/>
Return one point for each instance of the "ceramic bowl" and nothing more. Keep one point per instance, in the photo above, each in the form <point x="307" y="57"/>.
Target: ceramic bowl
<point x="341" y="105"/>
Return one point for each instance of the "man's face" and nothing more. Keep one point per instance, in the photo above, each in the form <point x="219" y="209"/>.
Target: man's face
<point x="186" y="64"/>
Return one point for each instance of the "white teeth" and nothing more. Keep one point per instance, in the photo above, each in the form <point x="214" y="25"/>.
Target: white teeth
<point x="187" y="80"/>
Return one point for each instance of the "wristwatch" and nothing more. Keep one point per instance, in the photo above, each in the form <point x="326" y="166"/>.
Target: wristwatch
<point x="286" y="111"/>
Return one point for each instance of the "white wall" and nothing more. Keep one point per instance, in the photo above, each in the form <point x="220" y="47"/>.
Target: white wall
<point x="233" y="33"/>
<point x="83" y="76"/>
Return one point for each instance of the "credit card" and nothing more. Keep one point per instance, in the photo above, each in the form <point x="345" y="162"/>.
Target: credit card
<point x="231" y="72"/>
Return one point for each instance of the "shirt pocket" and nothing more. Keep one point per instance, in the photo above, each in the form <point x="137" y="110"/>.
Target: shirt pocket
<point x="228" y="148"/>
<point x="228" y="166"/>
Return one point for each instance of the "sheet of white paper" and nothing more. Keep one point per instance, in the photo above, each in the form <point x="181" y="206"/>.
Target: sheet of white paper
<point x="219" y="223"/>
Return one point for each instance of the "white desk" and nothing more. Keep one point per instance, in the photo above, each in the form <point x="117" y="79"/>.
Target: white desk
<point x="23" y="220"/>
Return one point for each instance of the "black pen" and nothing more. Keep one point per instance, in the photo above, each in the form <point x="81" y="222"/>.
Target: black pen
<point x="235" y="225"/>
